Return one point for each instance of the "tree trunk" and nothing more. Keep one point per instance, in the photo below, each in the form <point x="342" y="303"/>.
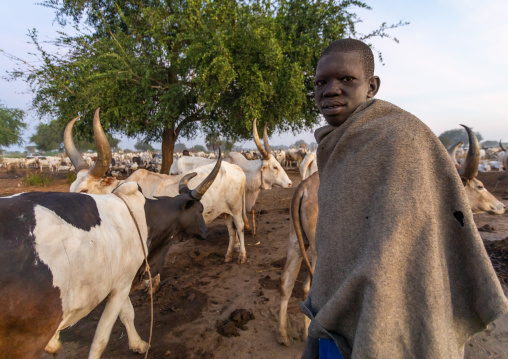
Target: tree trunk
<point x="169" y="137"/>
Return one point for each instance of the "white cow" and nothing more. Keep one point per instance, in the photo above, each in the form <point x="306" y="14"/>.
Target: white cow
<point x="308" y="165"/>
<point x="262" y="173"/>
<point x="227" y="195"/>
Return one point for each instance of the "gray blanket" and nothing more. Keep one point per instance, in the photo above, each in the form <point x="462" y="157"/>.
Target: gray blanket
<point x="401" y="269"/>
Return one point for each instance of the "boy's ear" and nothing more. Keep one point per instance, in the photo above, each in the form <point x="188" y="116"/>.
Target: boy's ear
<point x="374" y="83"/>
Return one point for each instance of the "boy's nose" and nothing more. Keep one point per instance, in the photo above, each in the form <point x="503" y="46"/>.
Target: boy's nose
<point x="333" y="89"/>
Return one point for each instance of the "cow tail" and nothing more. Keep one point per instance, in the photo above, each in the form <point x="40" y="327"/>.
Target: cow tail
<point x="296" y="202"/>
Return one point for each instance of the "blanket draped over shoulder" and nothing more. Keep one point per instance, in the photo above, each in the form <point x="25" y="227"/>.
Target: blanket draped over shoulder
<point x="401" y="269"/>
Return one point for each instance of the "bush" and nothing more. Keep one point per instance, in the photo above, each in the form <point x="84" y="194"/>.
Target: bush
<point x="38" y="180"/>
<point x="71" y="177"/>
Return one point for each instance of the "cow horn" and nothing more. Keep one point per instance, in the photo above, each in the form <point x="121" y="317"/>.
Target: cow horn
<point x="265" y="139"/>
<point x="262" y="151"/>
<point x="200" y="190"/>
<point x="501" y="146"/>
<point x="182" y="186"/>
<point x="452" y="150"/>
<point x="70" y="148"/>
<point x="103" y="149"/>
<point x="469" y="169"/>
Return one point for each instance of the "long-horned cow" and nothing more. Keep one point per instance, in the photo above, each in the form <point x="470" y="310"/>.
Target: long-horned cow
<point x="61" y="254"/>
<point x="480" y="199"/>
<point x="304" y="212"/>
<point x="263" y="173"/>
<point x="226" y="195"/>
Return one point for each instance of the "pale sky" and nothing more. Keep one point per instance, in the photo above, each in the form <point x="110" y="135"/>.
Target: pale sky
<point x="448" y="69"/>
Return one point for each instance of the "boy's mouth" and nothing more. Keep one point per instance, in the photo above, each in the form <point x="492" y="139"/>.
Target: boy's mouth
<point x="332" y="108"/>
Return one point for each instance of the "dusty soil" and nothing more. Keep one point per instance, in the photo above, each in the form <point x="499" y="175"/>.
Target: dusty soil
<point x="199" y="291"/>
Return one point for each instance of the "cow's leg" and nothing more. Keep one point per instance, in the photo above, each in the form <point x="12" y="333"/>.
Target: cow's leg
<point x="54" y="345"/>
<point x="232" y="239"/>
<point x="287" y="282"/>
<point x="127" y="317"/>
<point x="312" y="255"/>
<point x="239" y="224"/>
<point x="108" y="318"/>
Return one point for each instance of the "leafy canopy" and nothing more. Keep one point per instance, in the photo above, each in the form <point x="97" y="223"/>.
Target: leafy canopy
<point x="164" y="69"/>
<point x="11" y="126"/>
<point x="48" y="137"/>
<point x="451" y="137"/>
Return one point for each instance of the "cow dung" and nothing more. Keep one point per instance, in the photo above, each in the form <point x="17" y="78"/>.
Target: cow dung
<point x="227" y="328"/>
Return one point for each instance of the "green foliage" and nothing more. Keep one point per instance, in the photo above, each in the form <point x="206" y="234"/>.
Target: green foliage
<point x="300" y="143"/>
<point x="142" y="146"/>
<point x="164" y="69"/>
<point x="451" y="137"/>
<point x="199" y="148"/>
<point x="38" y="180"/>
<point x="49" y="137"/>
<point x="71" y="176"/>
<point x="180" y="147"/>
<point x="30" y="149"/>
<point x="11" y="126"/>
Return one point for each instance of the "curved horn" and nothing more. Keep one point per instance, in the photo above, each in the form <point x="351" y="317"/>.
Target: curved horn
<point x="103" y="149"/>
<point x="452" y="150"/>
<point x="70" y="148"/>
<point x="265" y="140"/>
<point x="182" y="186"/>
<point x="469" y="169"/>
<point x="200" y="190"/>
<point x="501" y="146"/>
<point x="262" y="151"/>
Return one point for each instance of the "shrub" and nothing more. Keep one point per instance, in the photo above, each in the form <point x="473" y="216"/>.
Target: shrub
<point x="38" y="180"/>
<point x="71" y="177"/>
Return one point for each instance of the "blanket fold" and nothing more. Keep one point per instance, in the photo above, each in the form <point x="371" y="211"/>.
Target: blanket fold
<point x="401" y="271"/>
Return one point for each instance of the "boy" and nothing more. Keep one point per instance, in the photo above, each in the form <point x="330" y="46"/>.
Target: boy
<point x="401" y="270"/>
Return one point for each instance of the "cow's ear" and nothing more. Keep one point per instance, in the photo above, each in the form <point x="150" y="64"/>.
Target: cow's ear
<point x="107" y="181"/>
<point x="265" y="166"/>
<point x="465" y="181"/>
<point x="189" y="203"/>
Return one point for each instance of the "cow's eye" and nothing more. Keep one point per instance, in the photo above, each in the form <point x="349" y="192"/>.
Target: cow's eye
<point x="480" y="187"/>
<point x="84" y="191"/>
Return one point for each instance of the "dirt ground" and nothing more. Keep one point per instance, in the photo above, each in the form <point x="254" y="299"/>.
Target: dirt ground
<point x="198" y="290"/>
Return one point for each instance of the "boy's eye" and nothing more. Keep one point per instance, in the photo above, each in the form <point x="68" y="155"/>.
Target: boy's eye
<point x="347" y="79"/>
<point x="320" y="83"/>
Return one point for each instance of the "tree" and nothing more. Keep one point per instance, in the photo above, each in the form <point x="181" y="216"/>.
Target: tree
<point x="451" y="137"/>
<point x="165" y="69"/>
<point x="11" y="126"/>
<point x="300" y="144"/>
<point x="30" y="149"/>
<point x="180" y="147"/>
<point x="142" y="146"/>
<point x="199" y="148"/>
<point x="49" y="136"/>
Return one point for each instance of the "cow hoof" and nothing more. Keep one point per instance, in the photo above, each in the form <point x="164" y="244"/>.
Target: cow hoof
<point x="141" y="348"/>
<point x="228" y="259"/>
<point x="242" y="260"/>
<point x="285" y="339"/>
<point x="53" y="347"/>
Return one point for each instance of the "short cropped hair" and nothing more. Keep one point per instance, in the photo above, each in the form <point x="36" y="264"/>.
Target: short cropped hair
<point x="352" y="45"/>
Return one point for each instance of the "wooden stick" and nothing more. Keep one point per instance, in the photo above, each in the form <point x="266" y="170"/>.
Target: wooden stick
<point x="253" y="224"/>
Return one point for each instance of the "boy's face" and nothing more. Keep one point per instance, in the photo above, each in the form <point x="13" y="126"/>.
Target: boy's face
<point x="341" y="86"/>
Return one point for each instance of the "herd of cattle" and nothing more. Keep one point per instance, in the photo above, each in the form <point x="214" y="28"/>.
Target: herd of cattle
<point x="76" y="249"/>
